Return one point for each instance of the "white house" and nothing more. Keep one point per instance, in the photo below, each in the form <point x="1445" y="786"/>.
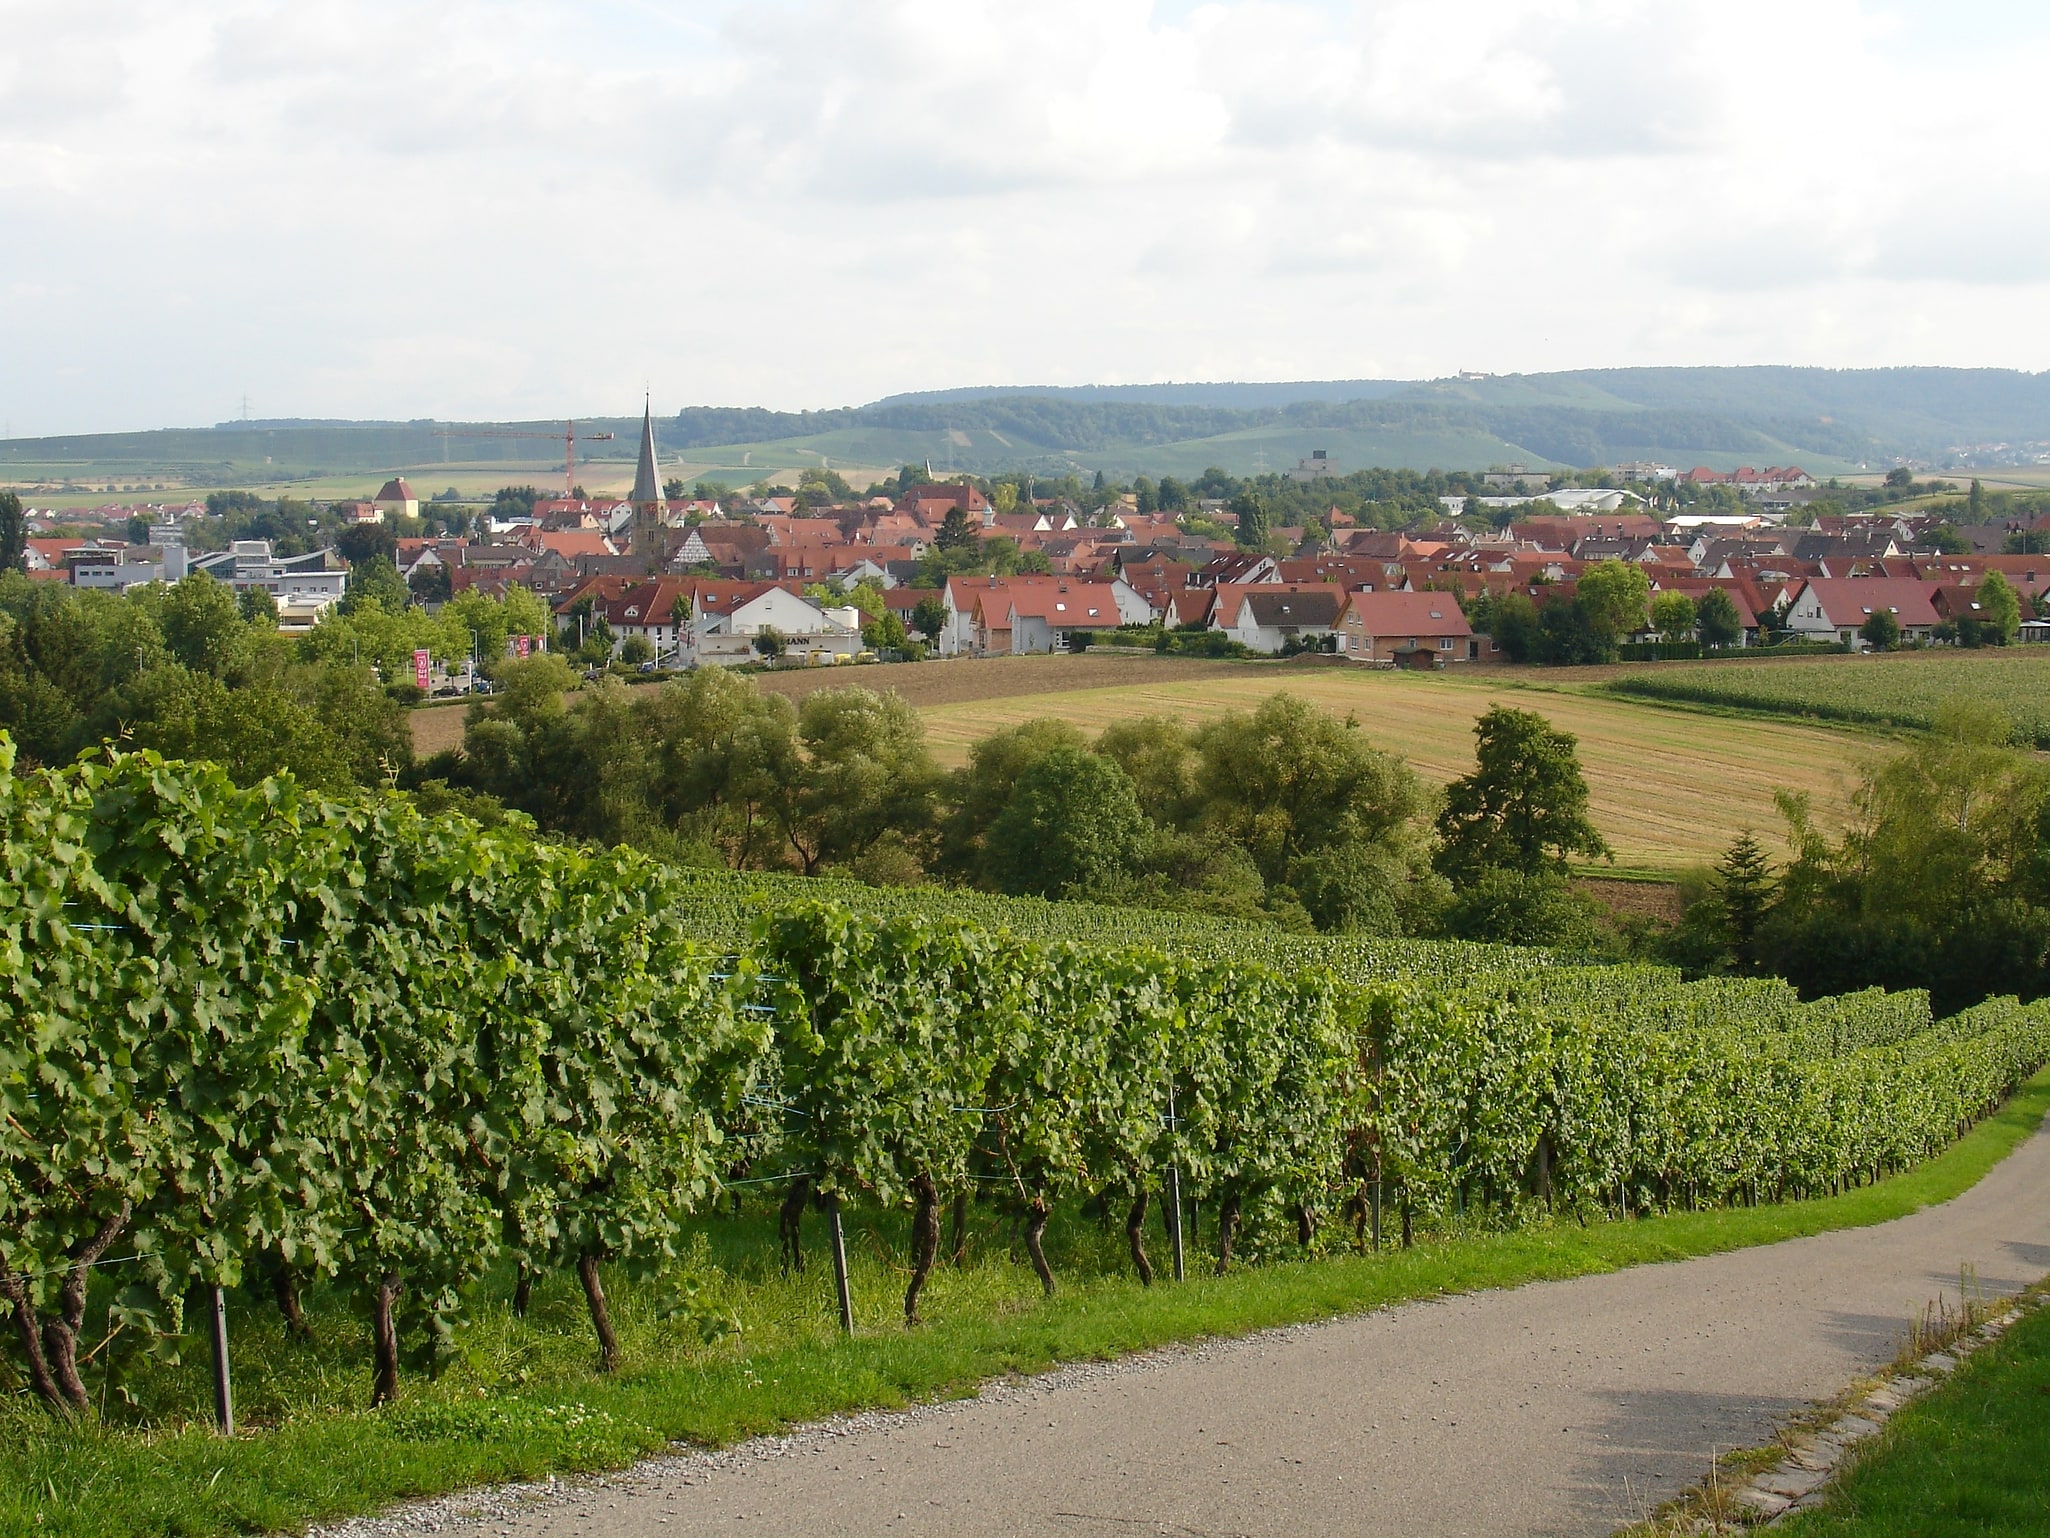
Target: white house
<point x="1266" y="616"/>
<point x="1836" y="608"/>
<point x="727" y="639"/>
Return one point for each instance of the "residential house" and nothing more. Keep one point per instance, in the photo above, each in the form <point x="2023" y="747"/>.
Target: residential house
<point x="1836" y="608"/>
<point x="1238" y="566"/>
<point x="1268" y="616"/>
<point x="727" y="624"/>
<point x="1415" y="630"/>
<point x="1016" y="618"/>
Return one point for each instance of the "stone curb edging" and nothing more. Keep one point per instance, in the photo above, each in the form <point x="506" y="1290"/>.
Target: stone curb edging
<point x="1803" y="1478"/>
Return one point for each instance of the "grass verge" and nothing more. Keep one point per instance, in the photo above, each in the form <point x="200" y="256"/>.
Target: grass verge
<point x="1973" y="1457"/>
<point x="521" y="1397"/>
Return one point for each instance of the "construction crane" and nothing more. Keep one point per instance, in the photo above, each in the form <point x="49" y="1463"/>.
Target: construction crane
<point x="568" y="437"/>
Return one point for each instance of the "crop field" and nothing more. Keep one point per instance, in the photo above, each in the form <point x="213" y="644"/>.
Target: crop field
<point x="1903" y="690"/>
<point x="1670" y="788"/>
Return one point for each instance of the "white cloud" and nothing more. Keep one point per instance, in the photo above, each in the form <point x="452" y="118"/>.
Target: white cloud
<point x="490" y="207"/>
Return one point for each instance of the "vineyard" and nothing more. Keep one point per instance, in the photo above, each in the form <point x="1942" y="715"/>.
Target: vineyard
<point x="1871" y="691"/>
<point x="334" y="1044"/>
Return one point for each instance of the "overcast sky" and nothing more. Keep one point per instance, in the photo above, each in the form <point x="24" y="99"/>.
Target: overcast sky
<point x="499" y="208"/>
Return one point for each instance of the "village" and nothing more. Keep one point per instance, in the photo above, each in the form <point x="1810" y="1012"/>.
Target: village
<point x="679" y="581"/>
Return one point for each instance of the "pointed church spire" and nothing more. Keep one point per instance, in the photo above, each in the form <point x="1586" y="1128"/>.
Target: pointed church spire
<point x="647" y="492"/>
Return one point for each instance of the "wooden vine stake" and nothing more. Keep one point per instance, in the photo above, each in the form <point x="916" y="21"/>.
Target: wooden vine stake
<point x="839" y="1239"/>
<point x="224" y="1391"/>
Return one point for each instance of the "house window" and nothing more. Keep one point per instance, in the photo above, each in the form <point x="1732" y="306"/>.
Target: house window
<point x="1444" y="643"/>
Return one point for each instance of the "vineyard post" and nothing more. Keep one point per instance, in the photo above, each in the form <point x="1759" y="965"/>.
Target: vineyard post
<point x="224" y="1394"/>
<point x="839" y="1240"/>
<point x="1374" y="1205"/>
<point x="1174" y="1198"/>
<point x="1174" y="1220"/>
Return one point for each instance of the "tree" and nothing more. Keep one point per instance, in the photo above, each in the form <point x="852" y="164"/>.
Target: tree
<point x="1881" y="631"/>
<point x="769" y="643"/>
<point x="361" y="542"/>
<point x="1524" y="807"/>
<point x="1073" y="821"/>
<point x="866" y="772"/>
<point x="2027" y="542"/>
<point x="956" y="535"/>
<point x="1290" y="781"/>
<point x="929" y="618"/>
<point x="257" y="607"/>
<point x="1672" y="616"/>
<point x="884" y="633"/>
<point x="1744" y="890"/>
<point x="1249" y="509"/>
<point x="377" y="581"/>
<point x="1566" y="638"/>
<point x="980" y="792"/>
<point x="202" y="625"/>
<point x="13" y="533"/>
<point x="1511" y="907"/>
<point x="1159" y="755"/>
<point x="2000" y="607"/>
<point x="1612" y="596"/>
<point x="635" y="650"/>
<point x="1938" y="881"/>
<point x="1512" y="620"/>
<point x="1716" y="620"/>
<point x="1975" y="502"/>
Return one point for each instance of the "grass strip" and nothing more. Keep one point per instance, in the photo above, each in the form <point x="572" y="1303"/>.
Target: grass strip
<point x="1973" y="1457"/>
<point x="524" y="1400"/>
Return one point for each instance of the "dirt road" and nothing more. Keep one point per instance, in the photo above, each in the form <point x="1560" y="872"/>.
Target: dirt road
<point x="1559" y="1408"/>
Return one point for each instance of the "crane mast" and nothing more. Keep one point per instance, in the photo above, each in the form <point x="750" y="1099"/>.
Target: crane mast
<point x="568" y="436"/>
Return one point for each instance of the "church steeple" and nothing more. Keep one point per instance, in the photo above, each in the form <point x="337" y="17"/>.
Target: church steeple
<point x="651" y="510"/>
<point x="647" y="492"/>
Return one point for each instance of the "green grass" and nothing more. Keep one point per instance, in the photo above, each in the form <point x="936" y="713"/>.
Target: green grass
<point x="1972" y="1458"/>
<point x="1903" y="690"/>
<point x="522" y="1398"/>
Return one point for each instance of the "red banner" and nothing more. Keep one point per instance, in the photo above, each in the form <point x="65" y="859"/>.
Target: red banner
<point x="420" y="661"/>
<point x="522" y="645"/>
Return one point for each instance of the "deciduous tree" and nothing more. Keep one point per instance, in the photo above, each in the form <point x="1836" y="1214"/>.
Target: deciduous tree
<point x="1524" y="807"/>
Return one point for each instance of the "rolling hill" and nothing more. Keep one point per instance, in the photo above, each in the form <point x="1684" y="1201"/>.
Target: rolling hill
<point x="1828" y="420"/>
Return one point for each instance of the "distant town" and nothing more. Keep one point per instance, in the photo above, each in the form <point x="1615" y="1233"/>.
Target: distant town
<point x="670" y="577"/>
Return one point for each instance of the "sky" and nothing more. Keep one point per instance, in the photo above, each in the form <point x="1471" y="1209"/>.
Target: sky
<point x="529" y="208"/>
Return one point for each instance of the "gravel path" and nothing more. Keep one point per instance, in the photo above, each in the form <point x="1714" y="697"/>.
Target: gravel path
<point x="1558" y="1408"/>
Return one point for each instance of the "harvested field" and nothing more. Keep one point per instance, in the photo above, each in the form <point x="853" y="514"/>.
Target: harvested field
<point x="1671" y="788"/>
<point x="1658" y="900"/>
<point x="437" y="728"/>
<point x="966" y="680"/>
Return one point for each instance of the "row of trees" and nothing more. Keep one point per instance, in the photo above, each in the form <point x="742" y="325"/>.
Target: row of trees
<point x="1286" y="812"/>
<point x="1941" y="878"/>
<point x="194" y="669"/>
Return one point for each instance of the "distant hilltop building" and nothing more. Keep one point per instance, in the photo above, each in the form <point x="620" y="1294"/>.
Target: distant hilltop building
<point x="1316" y="467"/>
<point x="1750" y="481"/>
<point x="395" y="499"/>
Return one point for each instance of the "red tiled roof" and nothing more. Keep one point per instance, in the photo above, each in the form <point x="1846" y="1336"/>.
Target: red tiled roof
<point x="1405" y="614"/>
